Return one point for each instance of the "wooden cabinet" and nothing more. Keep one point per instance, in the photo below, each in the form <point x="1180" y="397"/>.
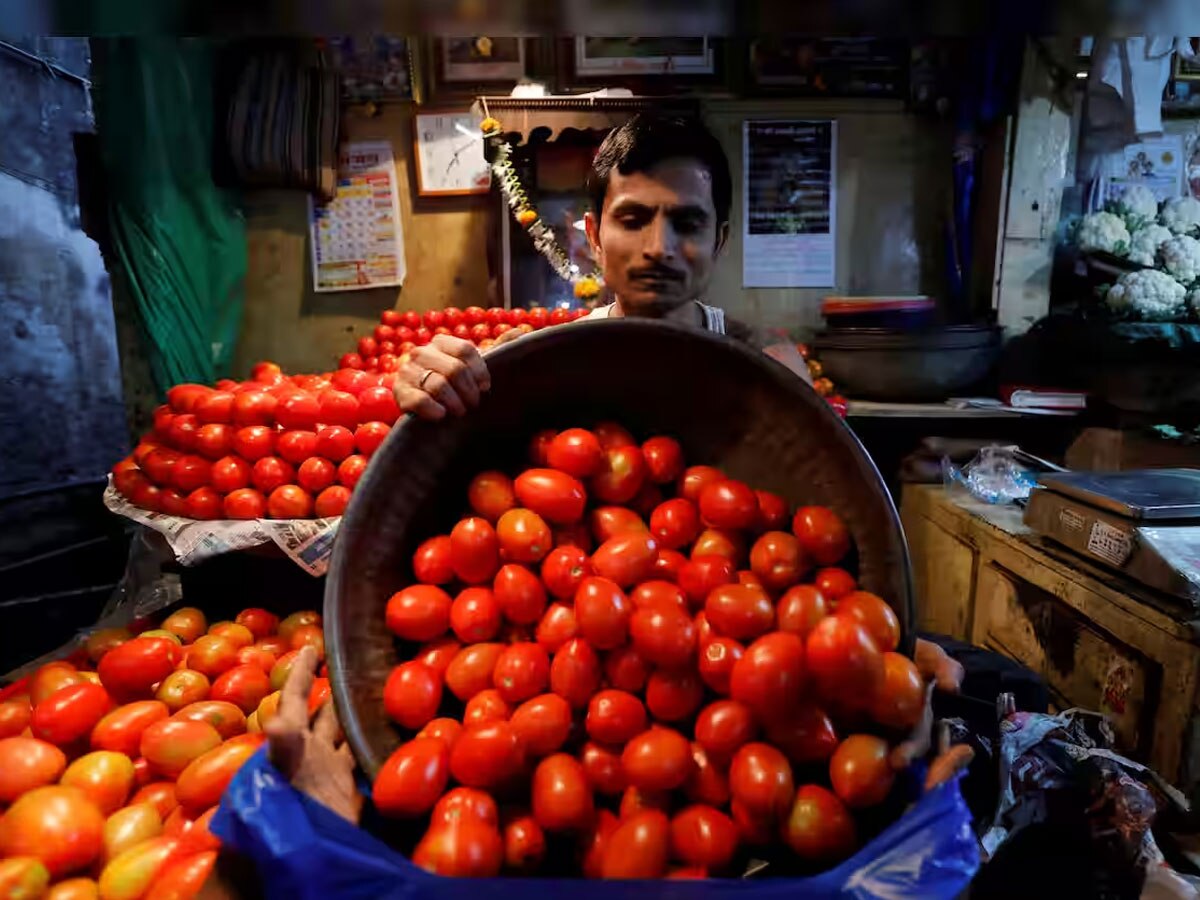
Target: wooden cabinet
<point x="1100" y="641"/>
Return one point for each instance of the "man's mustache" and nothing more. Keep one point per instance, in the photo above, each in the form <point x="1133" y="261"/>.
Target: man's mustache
<point x="657" y="273"/>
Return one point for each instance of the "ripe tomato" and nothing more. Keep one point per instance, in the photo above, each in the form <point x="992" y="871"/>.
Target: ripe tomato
<point x="471" y="669"/>
<point x="542" y="724"/>
<point x="769" y="678"/>
<point x="486" y="706"/>
<point x="246" y="503"/>
<point x="102" y="640"/>
<point x="57" y="824"/>
<point x="873" y="614"/>
<point x="626" y="559"/>
<point x="556" y="627"/>
<point x="350" y="361"/>
<point x="575" y="672"/>
<point x="130" y="826"/>
<point x="431" y="562"/>
<point x="900" y="700"/>
<point x="275" y="645"/>
<point x="290" y="501"/>
<point x="524" y="844"/>
<point x="204" y="780"/>
<point x="238" y="635"/>
<point x="563" y="570"/>
<point x="260" y="622"/>
<point x="728" y="504"/>
<point x="706" y="783"/>
<point x="668" y="564"/>
<point x="720" y="542"/>
<point x="339" y="408"/>
<point x="607" y="522"/>
<point x="467" y="849"/>
<point x="659" y="595"/>
<point x="524" y="536"/>
<point x="772" y="511"/>
<point x="351" y="470"/>
<point x="225" y="717"/>
<point x="740" y="612"/>
<point x="50" y="678"/>
<point x="860" y="771"/>
<point x="190" y="473"/>
<point x="613" y="717"/>
<point x="158" y="794"/>
<point x="602" y="766"/>
<point x="474" y="550"/>
<point x="621" y="477"/>
<point x="296" y="445"/>
<point x="822" y="534"/>
<point x="104" y="776"/>
<point x="254" y="409"/>
<point x="701" y="575"/>
<point x="25" y="876"/>
<point x="602" y="611"/>
<point x="800" y="609"/>
<point x="335" y="442"/>
<point x="717" y="659"/>
<point x="331" y="502"/>
<point x="672" y="696"/>
<point x="723" y="727"/>
<point x="230" y="473"/>
<point x="487" y="756"/>
<point x="519" y="594"/>
<point x="760" y="779"/>
<point x="69" y="713"/>
<point x="664" y="459"/>
<point x="171" y="744"/>
<point x="553" y="495"/>
<point x="246" y="656"/>
<point x="626" y="670"/>
<point x="611" y="435"/>
<point x="658" y="759"/>
<point x="490" y="494"/>
<point x="271" y="472"/>
<point x="475" y="615"/>
<point x="214" y="441"/>
<point x="182" y="877"/>
<point x="444" y="729"/>
<point x="181" y="433"/>
<point x="777" y="559"/>
<point x="377" y="404"/>
<point x="14" y="717"/>
<point x="243" y="686"/>
<point x="188" y="623"/>
<point x="420" y="612"/>
<point x="522" y="671"/>
<point x="703" y="836"/>
<point x="210" y="655"/>
<point x="314" y="475"/>
<point x="370" y="435"/>
<point x="695" y="479"/>
<point x="664" y="634"/>
<point x="253" y="442"/>
<point x="834" y="583"/>
<point x="819" y="827"/>
<point x="595" y="843"/>
<point x="649" y="498"/>
<point x="27" y="763"/>
<point x="576" y="452"/>
<point x="412" y="779"/>
<point x="843" y="660"/>
<point x="121" y="730"/>
<point x="298" y="410"/>
<point x="639" y="847"/>
<point x="562" y="797"/>
<point x="806" y="735"/>
<point x="675" y="523"/>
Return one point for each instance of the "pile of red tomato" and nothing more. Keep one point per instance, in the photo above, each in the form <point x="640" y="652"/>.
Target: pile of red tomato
<point x="399" y="332"/>
<point x="275" y="446"/>
<point x="112" y="763"/>
<point x="657" y="665"/>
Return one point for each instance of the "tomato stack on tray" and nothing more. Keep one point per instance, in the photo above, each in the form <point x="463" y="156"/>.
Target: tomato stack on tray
<point x="112" y="763"/>
<point x="399" y="332"/>
<point x="645" y="669"/>
<point x="275" y="446"/>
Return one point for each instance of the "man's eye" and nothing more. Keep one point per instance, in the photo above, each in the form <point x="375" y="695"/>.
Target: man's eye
<point x="688" y="224"/>
<point x="631" y="221"/>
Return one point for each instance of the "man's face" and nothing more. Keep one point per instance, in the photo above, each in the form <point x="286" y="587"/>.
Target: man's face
<point x="658" y="236"/>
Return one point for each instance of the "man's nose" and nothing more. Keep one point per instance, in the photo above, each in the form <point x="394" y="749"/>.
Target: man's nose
<point x="660" y="239"/>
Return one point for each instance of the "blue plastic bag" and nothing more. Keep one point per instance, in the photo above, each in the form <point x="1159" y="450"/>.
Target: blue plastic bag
<point x="303" y="850"/>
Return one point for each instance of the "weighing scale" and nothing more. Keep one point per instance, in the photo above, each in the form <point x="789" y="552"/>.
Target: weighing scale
<point x="1144" y="523"/>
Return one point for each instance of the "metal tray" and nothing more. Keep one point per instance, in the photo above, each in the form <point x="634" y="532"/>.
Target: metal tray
<point x="1152" y="494"/>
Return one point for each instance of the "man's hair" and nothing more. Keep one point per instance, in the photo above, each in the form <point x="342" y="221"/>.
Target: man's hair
<point x="646" y="140"/>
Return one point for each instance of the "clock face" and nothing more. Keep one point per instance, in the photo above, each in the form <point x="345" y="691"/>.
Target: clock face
<point x="450" y="154"/>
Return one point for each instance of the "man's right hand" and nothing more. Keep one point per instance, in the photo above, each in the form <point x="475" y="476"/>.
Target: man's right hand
<point x="447" y="375"/>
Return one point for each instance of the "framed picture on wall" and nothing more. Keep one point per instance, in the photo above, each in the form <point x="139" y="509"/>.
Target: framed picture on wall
<point x="829" y="67"/>
<point x="481" y="59"/>
<point x="372" y="69"/>
<point x="643" y="56"/>
<point x="448" y="154"/>
<point x="1189" y="69"/>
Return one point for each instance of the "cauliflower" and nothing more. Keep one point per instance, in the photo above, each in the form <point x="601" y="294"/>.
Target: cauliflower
<point x="1181" y="258"/>
<point x="1103" y="231"/>
<point x="1144" y="243"/>
<point x="1147" y="293"/>
<point x="1181" y="214"/>
<point x="1138" y="205"/>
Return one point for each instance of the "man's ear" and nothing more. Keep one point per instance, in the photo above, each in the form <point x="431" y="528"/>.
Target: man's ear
<point x="591" y="225"/>
<point x="722" y="238"/>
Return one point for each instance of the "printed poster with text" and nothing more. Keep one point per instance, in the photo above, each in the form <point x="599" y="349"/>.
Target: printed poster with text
<point x="789" y="201"/>
<point x="356" y="238"/>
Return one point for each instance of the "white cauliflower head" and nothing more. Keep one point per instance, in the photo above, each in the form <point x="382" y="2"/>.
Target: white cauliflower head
<point x="1103" y="231"/>
<point x="1181" y="214"/>
<point x="1147" y="293"/>
<point x="1139" y="203"/>
<point x="1144" y="243"/>
<point x="1181" y="258"/>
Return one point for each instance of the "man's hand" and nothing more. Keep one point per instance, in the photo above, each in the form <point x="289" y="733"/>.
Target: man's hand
<point x="447" y="375"/>
<point x="942" y="672"/>
<point x="309" y="756"/>
<point x="936" y="665"/>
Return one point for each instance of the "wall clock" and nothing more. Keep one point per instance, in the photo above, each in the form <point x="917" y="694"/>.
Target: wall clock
<point x="449" y="155"/>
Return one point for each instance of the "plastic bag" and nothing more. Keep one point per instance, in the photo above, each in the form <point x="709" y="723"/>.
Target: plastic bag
<point x="993" y="476"/>
<point x="302" y="849"/>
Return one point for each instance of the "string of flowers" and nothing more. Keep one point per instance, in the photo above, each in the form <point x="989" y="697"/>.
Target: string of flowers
<point x="585" y="286"/>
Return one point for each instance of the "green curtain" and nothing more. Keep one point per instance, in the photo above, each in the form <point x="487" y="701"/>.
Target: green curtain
<point x="179" y="239"/>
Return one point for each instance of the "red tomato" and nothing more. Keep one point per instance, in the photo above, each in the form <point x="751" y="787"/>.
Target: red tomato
<point x="350" y="361"/>
<point x="214" y="441"/>
<point x="728" y="504"/>
<point x="723" y="727"/>
<point x="695" y="479"/>
<point x="471" y="669"/>
<point x="639" y="847"/>
<point x="259" y="622"/>
<point x="181" y="878"/>
<point x="900" y="700"/>
<point x="335" y="442"/>
<point x="254" y="442"/>
<point x="204" y="780"/>
<point x="159" y="464"/>
<point x="602" y="766"/>
<point x="522" y="671"/>
<point x="704" y="836"/>
<point x="378" y="404"/>
<point x="215" y="408"/>
<point x="626" y="559"/>
<point x="611" y="435"/>
<point x="844" y="661"/>
<point x="524" y="844"/>
<point x="769" y="678"/>
<point x="557" y="626"/>
<point x="487" y="756"/>
<point x="411" y="319"/>
<point x="800" y="609"/>
<point x="717" y="660"/>
<point x="595" y="843"/>
<point x="339" y="408"/>
<point x="128" y="671"/>
<point x="668" y="564"/>
<point x="822" y="534"/>
<point x="576" y="452"/>
<point x="211" y="655"/>
<point x="608" y="522"/>
<point x="190" y="473"/>
<point x="69" y="713"/>
<point x="664" y="459"/>
<point x="229" y="473"/>
<point x="524" y="536"/>
<point x="57" y="824"/>
<point x="271" y="472"/>
<point x="873" y="614"/>
<point x="446" y="730"/>
<point x="720" y="542"/>
<point x="664" y="633"/>
<point x="369" y="435"/>
<point x="805" y="736"/>
<point x="27" y="763"/>
<point x="474" y="551"/>
<point x="602" y="612"/>
<point x="707" y="783"/>
<point x="50" y="678"/>
<point x="14" y="717"/>
<point x="420" y="612"/>
<point x="246" y="656"/>
<point x="659" y="595"/>
<point x="181" y="433"/>
<point x="553" y="495"/>
<point x="331" y="502"/>
<point x="296" y="446"/>
<point x="740" y="612"/>
<point x="439" y="653"/>
<point x="465" y="803"/>
<point x="575" y="673"/>
<point x="614" y="717"/>
<point x="290" y="502"/>
<point x="475" y="615"/>
<point x="860" y="771"/>
<point x="539" y="444"/>
<point x="777" y="559"/>
<point x="819" y="827"/>
<point x="658" y="759"/>
<point x="542" y="724"/>
<point x="243" y="686"/>
<point x="351" y="470"/>
<point x="622" y="475"/>
<point x="159" y="794"/>
<point x="299" y="410"/>
<point x="491" y="495"/>
<point x="466" y="849"/>
<point x="412" y="779"/>
<point x="246" y="503"/>
<point x="675" y="523"/>
<point x="701" y="575"/>
<point x="562" y="796"/>
<point x="121" y="730"/>
<point x="314" y="475"/>
<point x="170" y="745"/>
<point x="772" y="511"/>
<point x="760" y="779"/>
<point x="538" y="317"/>
<point x="223" y="716"/>
<point x="563" y="570"/>
<point x="520" y="594"/>
<point x="672" y="696"/>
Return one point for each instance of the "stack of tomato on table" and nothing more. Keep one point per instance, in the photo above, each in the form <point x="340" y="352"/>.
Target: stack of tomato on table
<point x="399" y="332"/>
<point x="648" y="669"/>
<point x="112" y="762"/>
<point x="277" y="446"/>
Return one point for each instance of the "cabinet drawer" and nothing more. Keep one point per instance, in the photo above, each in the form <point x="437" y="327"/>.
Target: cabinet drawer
<point x="943" y="576"/>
